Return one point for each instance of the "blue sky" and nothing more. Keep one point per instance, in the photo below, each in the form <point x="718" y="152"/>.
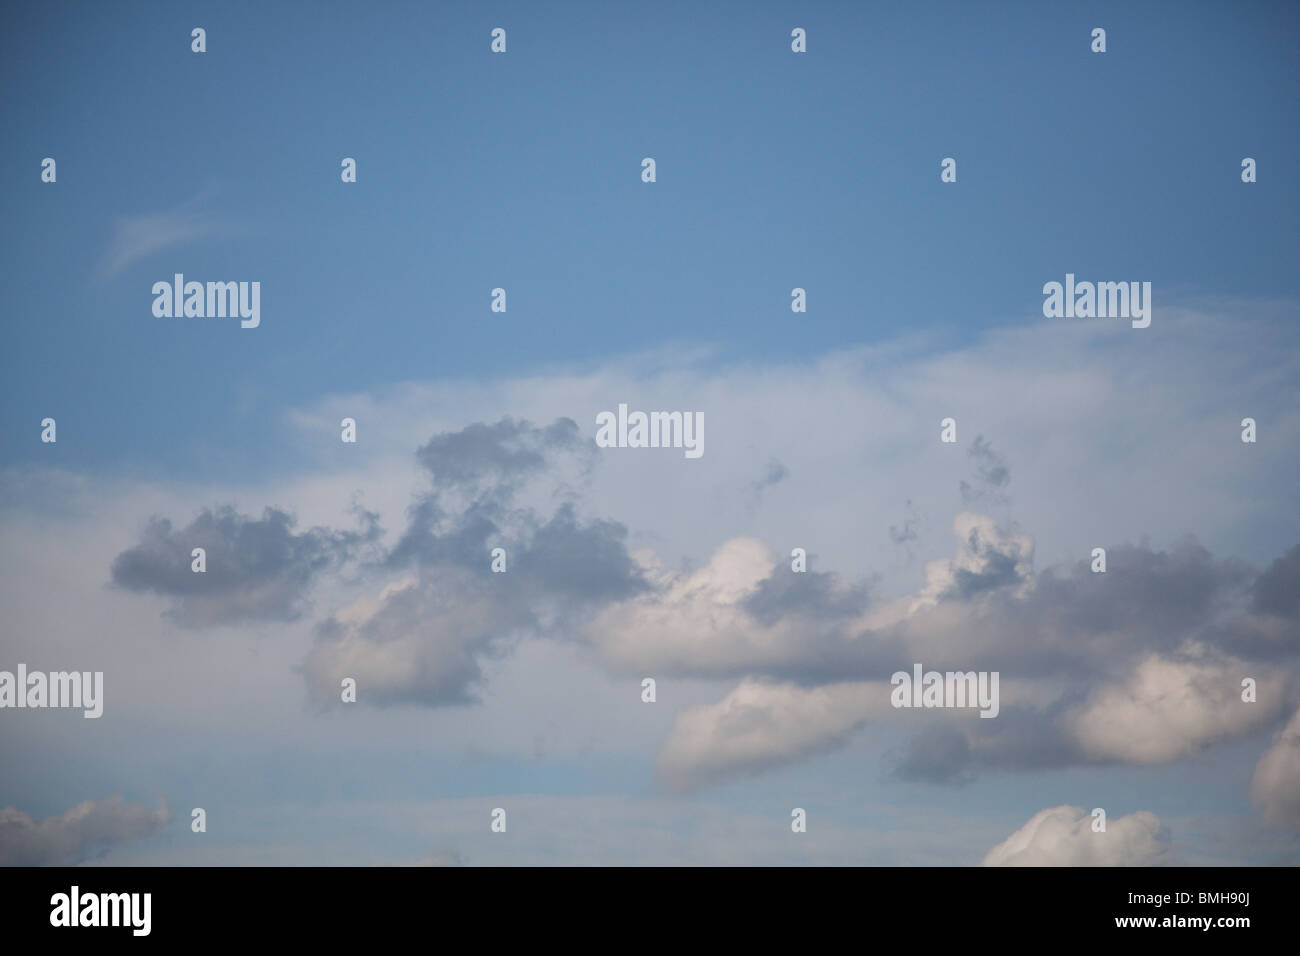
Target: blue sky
<point x="522" y="171"/>
<point x="775" y="171"/>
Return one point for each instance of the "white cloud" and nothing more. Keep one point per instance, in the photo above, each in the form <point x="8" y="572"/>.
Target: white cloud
<point x="759" y="725"/>
<point x="1171" y="708"/>
<point x="1063" y="836"/>
<point x="697" y="621"/>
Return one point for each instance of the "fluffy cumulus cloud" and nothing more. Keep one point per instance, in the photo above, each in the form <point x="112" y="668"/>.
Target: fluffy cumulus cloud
<point x="1064" y="836"/>
<point x="87" y="830"/>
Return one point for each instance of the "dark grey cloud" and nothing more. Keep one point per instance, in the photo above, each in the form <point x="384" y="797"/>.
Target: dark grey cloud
<point x="1000" y="570"/>
<point x="1277" y="590"/>
<point x="559" y="556"/>
<point x="257" y="569"/>
<point x="1092" y="633"/>
<point x="1073" y="620"/>
<point x="1021" y="738"/>
<point x="88" y="830"/>
<point x="811" y="595"/>
<point x="433" y="536"/>
<point x="583" y="562"/>
<point x="475" y="474"/>
<point x="499" y="455"/>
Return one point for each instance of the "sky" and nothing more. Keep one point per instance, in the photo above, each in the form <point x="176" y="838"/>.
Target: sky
<point x="476" y="429"/>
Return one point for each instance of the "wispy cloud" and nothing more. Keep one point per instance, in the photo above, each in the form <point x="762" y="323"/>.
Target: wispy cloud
<point x="141" y="236"/>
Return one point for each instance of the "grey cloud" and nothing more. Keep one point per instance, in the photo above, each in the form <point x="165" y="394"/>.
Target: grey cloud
<point x="501" y="454"/>
<point x="476" y="473"/>
<point x="1021" y="738"/>
<point x="1277" y="590"/>
<point x="998" y="571"/>
<point x="984" y="606"/>
<point x="88" y="830"/>
<point x="581" y="561"/>
<point x="1147" y="657"/>
<point x="813" y="595"/>
<point x="1146" y="601"/>
<point x="424" y="638"/>
<point x="423" y="641"/>
<point x="256" y="568"/>
<point x="560" y="556"/>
